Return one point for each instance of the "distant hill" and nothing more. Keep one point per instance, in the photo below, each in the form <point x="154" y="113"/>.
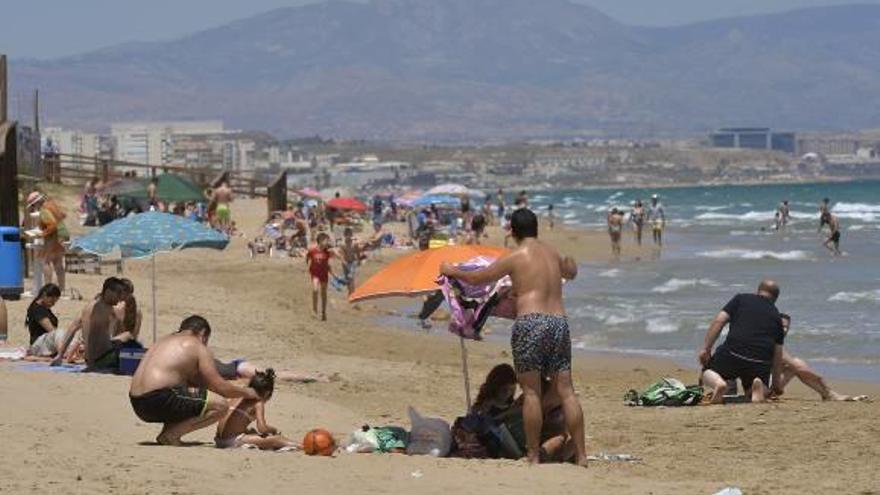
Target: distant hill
<point x="480" y="69"/>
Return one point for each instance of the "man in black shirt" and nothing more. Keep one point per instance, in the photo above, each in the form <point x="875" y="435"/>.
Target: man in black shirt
<point x="753" y="348"/>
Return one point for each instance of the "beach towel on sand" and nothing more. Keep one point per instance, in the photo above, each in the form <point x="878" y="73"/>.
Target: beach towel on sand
<point x="471" y="305"/>
<point x="46" y="367"/>
<point x="666" y="392"/>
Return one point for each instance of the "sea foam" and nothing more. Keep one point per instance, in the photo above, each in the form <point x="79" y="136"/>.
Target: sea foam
<point x="856" y="297"/>
<point x="661" y="325"/>
<point x="677" y="284"/>
<point x="756" y="254"/>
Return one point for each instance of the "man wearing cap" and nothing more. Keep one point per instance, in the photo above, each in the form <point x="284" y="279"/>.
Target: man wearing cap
<point x="657" y="217"/>
<point x="53" y="232"/>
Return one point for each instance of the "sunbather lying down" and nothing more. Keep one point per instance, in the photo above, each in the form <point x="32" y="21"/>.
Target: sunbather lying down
<point x="241" y="369"/>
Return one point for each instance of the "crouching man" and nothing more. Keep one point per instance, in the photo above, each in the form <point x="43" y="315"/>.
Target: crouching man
<point x="172" y="382"/>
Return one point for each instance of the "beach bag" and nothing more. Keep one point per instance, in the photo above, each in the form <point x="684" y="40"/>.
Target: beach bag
<point x="429" y="436"/>
<point x="467" y="437"/>
<point x="666" y="392"/>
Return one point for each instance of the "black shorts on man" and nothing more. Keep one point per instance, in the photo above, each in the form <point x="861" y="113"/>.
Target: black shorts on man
<point x="170" y="405"/>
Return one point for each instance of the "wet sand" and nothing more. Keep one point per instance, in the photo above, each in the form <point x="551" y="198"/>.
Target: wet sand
<point x="77" y="433"/>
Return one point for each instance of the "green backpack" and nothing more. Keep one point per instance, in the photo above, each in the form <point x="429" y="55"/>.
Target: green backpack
<point x="666" y="392"/>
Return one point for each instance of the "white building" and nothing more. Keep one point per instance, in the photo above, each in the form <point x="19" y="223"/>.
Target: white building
<point x="71" y="142"/>
<point x="152" y="143"/>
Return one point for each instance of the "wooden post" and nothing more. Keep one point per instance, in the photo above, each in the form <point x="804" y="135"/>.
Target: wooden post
<point x="105" y="171"/>
<point x="37" y="111"/>
<point x="277" y="193"/>
<point x="9" y="175"/>
<point x="3" y="88"/>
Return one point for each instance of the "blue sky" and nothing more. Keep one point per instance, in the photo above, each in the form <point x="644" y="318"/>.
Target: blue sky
<point x="52" y="28"/>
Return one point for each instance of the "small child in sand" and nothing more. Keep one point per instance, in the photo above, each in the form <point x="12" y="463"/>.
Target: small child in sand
<point x="233" y="431"/>
<point x="318" y="259"/>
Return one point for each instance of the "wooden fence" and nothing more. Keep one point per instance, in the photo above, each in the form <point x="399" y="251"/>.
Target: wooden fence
<point x="66" y="168"/>
<point x="60" y="167"/>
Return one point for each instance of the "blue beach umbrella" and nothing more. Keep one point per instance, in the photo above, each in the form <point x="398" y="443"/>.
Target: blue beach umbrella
<point x="145" y="234"/>
<point x="437" y="199"/>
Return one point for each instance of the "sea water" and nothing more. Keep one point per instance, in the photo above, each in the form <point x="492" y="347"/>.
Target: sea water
<point x="721" y="241"/>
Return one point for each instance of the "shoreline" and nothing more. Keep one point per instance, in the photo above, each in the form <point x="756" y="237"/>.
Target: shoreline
<point x="630" y="186"/>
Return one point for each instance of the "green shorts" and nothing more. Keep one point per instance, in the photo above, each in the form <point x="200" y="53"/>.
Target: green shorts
<point x="223" y="212"/>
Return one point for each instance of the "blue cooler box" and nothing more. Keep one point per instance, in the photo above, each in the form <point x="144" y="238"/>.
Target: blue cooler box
<point x="129" y="359"/>
<point x="11" y="277"/>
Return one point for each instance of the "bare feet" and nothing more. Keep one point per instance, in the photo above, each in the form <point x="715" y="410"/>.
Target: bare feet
<point x="834" y="396"/>
<point x="533" y="458"/>
<point x="164" y="439"/>
<point x="582" y="462"/>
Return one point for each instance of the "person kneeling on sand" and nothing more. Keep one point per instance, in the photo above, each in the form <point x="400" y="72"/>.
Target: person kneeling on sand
<point x="233" y="431"/>
<point x="496" y="401"/>
<point x="753" y="348"/>
<point x="796" y="367"/>
<point x="160" y="388"/>
<point x="540" y="339"/>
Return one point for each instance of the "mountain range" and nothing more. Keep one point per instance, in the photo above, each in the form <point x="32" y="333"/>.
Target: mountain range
<point x="467" y="70"/>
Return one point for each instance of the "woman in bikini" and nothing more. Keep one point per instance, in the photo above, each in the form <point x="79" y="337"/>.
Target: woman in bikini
<point x="233" y="430"/>
<point x="128" y="314"/>
<point x="615" y="229"/>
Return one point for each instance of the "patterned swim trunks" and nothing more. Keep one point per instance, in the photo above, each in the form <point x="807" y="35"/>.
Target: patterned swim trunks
<point x="541" y="343"/>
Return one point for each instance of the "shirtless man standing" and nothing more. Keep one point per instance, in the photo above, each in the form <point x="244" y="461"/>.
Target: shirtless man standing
<point x="833" y="241"/>
<point x="223" y="197"/>
<point x="160" y="388"/>
<point x="657" y="217"/>
<point x="540" y="340"/>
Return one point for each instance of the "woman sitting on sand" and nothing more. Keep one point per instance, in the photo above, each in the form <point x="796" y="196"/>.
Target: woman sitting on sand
<point x="496" y="400"/>
<point x="233" y="431"/>
<point x="42" y="323"/>
<point x="127" y="313"/>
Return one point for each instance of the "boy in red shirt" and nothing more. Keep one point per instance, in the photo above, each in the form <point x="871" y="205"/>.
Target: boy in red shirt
<point x="318" y="260"/>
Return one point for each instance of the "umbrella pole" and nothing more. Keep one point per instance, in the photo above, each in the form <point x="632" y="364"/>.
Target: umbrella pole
<point x="464" y="369"/>
<point x="153" y="280"/>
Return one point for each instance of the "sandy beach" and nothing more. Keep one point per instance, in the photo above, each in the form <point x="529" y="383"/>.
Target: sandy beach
<point x="77" y="433"/>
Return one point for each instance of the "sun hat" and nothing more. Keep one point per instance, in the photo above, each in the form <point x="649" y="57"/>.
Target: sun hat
<point x="34" y="198"/>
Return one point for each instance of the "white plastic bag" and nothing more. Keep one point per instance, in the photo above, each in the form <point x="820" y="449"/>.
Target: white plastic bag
<point x="362" y="441"/>
<point x="429" y="436"/>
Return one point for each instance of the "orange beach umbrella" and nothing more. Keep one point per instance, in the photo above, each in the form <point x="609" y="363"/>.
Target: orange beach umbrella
<point x="417" y="273"/>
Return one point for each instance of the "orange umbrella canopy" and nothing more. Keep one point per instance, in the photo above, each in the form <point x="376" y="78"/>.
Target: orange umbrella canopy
<point x="417" y="273"/>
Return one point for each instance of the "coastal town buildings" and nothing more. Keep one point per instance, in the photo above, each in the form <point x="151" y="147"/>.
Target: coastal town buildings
<point x="70" y="141"/>
<point x="756" y="138"/>
<point x="152" y="143"/>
